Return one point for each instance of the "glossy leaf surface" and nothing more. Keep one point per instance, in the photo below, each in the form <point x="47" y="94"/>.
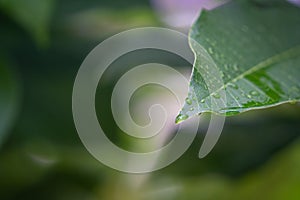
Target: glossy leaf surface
<point x="256" y="49"/>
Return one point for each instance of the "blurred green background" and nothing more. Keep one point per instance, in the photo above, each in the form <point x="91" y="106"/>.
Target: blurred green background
<point x="43" y="43"/>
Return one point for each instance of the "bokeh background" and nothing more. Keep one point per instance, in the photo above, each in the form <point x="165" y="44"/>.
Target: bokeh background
<point x="43" y="43"/>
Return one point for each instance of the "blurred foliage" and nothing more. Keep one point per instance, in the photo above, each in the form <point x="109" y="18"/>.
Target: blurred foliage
<point x="278" y="179"/>
<point x="42" y="156"/>
<point x="32" y="15"/>
<point x="96" y="23"/>
<point x="9" y="97"/>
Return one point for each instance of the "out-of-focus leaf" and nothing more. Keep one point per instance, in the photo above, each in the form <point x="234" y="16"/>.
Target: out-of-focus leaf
<point x="97" y="23"/>
<point x="39" y="161"/>
<point x="278" y="179"/>
<point x="256" y="47"/>
<point x="32" y="15"/>
<point x="9" y="94"/>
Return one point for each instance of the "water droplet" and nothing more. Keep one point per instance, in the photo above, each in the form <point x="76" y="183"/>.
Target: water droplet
<point x="202" y="101"/>
<point x="233" y="85"/>
<point x="188" y="101"/>
<point x="216" y="95"/>
<point x="254" y="93"/>
<point x="191" y="109"/>
<point x="181" y="118"/>
<point x="210" y="50"/>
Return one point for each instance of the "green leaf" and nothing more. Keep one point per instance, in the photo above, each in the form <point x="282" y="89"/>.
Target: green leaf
<point x="9" y="95"/>
<point x="255" y="48"/>
<point x="33" y="15"/>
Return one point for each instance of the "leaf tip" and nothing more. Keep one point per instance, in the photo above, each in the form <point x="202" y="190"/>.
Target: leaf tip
<point x="180" y="118"/>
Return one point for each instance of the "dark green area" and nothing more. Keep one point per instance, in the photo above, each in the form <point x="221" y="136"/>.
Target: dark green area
<point x="43" y="44"/>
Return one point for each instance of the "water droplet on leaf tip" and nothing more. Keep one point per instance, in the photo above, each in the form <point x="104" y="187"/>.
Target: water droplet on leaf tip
<point x="191" y="109"/>
<point x="181" y="118"/>
<point x="210" y="50"/>
<point x="202" y="101"/>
